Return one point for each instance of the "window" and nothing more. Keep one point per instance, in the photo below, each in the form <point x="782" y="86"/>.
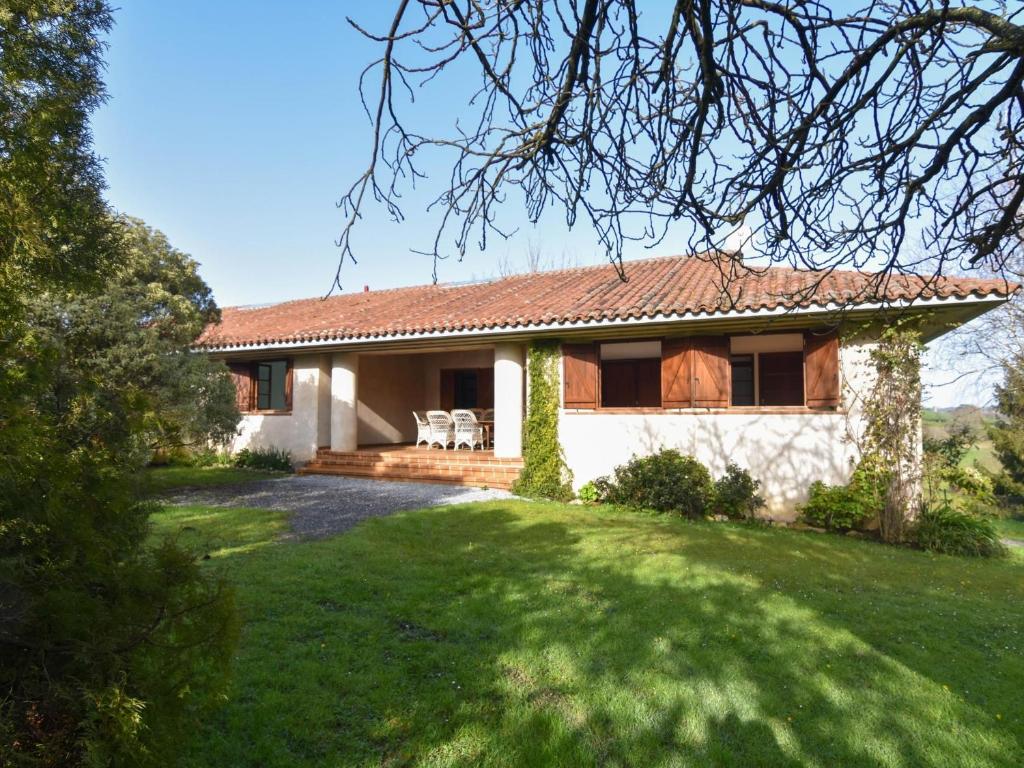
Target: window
<point x="781" y="378"/>
<point x="743" y="380"/>
<point x="631" y="375"/>
<point x="271" y="385"/>
<point x="767" y="370"/>
<point x="631" y="383"/>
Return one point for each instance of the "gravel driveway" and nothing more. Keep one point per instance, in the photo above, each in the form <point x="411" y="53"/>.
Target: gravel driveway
<point x="322" y="505"/>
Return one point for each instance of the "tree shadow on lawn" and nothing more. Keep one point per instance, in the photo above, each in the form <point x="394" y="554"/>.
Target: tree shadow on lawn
<point x="472" y="636"/>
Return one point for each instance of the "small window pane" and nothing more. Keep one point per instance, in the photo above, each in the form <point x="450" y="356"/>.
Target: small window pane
<point x="781" y="377"/>
<point x="270" y="384"/>
<point x="743" y="380"/>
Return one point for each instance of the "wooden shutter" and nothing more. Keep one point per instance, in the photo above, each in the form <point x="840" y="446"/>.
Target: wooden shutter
<point x="711" y="382"/>
<point x="485" y="388"/>
<point x="241" y="374"/>
<point x="676" y="373"/>
<point x="447" y="390"/>
<point x="821" y="367"/>
<point x="288" y="385"/>
<point x="581" y="382"/>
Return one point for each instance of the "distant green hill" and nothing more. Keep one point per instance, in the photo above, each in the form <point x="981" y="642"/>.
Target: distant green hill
<point x="936" y="423"/>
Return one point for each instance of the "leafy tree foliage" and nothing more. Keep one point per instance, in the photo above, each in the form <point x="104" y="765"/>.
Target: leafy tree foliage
<point x="951" y="449"/>
<point x="1008" y="432"/>
<point x="53" y="222"/>
<point x="106" y="640"/>
<point x="134" y="334"/>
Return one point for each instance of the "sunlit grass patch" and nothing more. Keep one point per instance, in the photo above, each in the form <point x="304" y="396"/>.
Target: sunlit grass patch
<point x="513" y="633"/>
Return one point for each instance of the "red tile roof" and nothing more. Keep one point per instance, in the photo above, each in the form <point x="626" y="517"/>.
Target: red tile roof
<point x="664" y="286"/>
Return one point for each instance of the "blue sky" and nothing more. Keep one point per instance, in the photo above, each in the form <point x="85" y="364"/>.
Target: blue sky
<point x="235" y="127"/>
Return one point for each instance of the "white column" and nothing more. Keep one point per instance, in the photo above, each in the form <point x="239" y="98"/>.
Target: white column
<point x="508" y="400"/>
<point x="345" y="401"/>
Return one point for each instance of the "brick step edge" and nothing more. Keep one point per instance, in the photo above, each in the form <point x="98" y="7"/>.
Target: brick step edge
<point x="448" y="458"/>
<point x="418" y="464"/>
<point x="410" y="477"/>
<point x="417" y="470"/>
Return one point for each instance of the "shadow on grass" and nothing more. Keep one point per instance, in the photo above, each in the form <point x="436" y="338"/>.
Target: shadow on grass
<point x="526" y="635"/>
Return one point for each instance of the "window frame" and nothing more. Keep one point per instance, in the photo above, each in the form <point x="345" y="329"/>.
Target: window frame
<point x="254" y="387"/>
<point x="758" y="407"/>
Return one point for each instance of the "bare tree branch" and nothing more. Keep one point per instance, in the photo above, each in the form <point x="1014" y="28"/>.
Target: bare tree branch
<point x="834" y="133"/>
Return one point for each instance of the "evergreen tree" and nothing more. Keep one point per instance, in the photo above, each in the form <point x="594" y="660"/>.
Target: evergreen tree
<point x="1007" y="433"/>
<point x="105" y="640"/>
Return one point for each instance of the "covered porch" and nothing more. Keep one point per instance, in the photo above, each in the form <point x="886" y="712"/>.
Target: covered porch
<point x="366" y="402"/>
<point x="373" y="394"/>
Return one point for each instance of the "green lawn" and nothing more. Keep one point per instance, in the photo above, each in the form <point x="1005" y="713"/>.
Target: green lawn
<point x="1010" y="528"/>
<point x="159" y="480"/>
<point x="512" y="633"/>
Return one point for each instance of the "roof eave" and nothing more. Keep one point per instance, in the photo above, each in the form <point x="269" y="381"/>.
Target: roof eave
<point x="967" y="307"/>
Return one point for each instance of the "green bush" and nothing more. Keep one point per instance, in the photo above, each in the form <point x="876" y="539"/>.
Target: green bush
<point x="952" y="532"/>
<point x="665" y="481"/>
<point x="589" y="493"/>
<point x="848" y="507"/>
<point x="736" y="493"/>
<point x="835" y="507"/>
<point x="264" y="458"/>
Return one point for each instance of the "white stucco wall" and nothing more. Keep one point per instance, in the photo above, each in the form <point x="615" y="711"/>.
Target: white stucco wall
<point x="299" y="431"/>
<point x="785" y="451"/>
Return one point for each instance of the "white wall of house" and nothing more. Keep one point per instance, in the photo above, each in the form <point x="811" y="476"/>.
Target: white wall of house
<point x="301" y="430"/>
<point x="785" y="451"/>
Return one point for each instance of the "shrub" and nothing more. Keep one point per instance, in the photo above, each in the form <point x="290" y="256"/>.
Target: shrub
<point x="589" y="493"/>
<point x="264" y="458"/>
<point x="846" y="507"/>
<point x="736" y="493"/>
<point x="835" y="507"/>
<point x="952" y="532"/>
<point x="665" y="481"/>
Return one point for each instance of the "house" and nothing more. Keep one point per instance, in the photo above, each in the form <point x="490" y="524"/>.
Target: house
<point x="768" y="368"/>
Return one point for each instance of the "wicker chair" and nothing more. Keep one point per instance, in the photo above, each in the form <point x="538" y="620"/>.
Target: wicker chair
<point x="467" y="429"/>
<point x="422" y="428"/>
<point x="442" y="428"/>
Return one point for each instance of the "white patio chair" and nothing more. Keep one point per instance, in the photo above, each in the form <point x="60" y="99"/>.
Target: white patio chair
<point x="468" y="430"/>
<point x="442" y="428"/>
<point x="422" y="428"/>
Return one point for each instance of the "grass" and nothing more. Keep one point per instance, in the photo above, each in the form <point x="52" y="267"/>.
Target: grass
<point x="514" y="633"/>
<point x="159" y="480"/>
<point x="1010" y="528"/>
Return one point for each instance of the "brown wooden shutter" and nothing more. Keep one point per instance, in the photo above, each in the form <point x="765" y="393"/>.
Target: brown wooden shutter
<point x="288" y="385"/>
<point x="447" y="390"/>
<point x="581" y="381"/>
<point x="821" y="368"/>
<point x="241" y="374"/>
<point x="485" y="388"/>
<point x="676" y="373"/>
<point x="711" y="383"/>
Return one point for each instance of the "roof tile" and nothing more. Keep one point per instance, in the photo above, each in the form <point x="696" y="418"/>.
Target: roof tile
<point x="655" y="287"/>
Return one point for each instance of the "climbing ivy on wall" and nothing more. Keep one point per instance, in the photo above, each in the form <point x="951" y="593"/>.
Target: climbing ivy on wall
<point x="893" y="415"/>
<point x="544" y="473"/>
